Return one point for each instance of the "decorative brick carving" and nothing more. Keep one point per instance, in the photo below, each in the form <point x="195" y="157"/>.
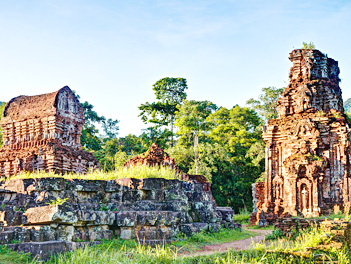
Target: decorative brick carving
<point x="43" y="132"/>
<point x="308" y="146"/>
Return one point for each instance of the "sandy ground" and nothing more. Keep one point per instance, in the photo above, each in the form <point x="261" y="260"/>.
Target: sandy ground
<point x="237" y="245"/>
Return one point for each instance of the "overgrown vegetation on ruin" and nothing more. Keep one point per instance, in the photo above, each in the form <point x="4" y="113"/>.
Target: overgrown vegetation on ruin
<point x="138" y="172"/>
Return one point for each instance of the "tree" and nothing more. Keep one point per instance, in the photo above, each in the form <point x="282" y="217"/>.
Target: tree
<point x="105" y="146"/>
<point x="2" y="107"/>
<point x="347" y="106"/>
<point x="236" y="129"/>
<point x="90" y="139"/>
<point x="266" y="105"/>
<point x="191" y="118"/>
<point x="170" y="92"/>
<point x="110" y="127"/>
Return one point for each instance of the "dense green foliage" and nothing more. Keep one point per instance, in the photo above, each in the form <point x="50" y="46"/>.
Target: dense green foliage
<point x="236" y="130"/>
<point x="169" y="92"/>
<point x="266" y="105"/>
<point x="191" y="121"/>
<point x="242" y="217"/>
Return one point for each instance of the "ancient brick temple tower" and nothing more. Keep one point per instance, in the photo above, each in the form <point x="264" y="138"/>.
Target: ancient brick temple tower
<point x="308" y="146"/>
<point x="43" y="132"/>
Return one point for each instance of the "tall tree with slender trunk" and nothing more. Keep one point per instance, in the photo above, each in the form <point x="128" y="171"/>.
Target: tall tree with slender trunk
<point x="191" y="119"/>
<point x="169" y="92"/>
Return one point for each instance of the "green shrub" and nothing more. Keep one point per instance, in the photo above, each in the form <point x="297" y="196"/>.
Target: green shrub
<point x="277" y="233"/>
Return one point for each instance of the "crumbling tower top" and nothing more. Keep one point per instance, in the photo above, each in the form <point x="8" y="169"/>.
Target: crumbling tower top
<point x="314" y="84"/>
<point x="312" y="64"/>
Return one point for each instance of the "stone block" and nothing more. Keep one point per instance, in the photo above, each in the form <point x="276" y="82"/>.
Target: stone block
<point x="127" y="218"/>
<point x="126" y="233"/>
<point x="43" y="250"/>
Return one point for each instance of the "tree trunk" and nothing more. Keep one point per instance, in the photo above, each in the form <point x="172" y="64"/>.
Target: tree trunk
<point x="196" y="143"/>
<point x="171" y="131"/>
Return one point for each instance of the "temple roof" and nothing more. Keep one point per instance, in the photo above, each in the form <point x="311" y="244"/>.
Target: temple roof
<point x="29" y="107"/>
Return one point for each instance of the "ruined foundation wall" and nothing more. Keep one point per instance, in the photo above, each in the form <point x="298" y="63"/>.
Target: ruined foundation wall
<point x="43" y="133"/>
<point x="150" y="209"/>
<point x="308" y="146"/>
<point x="258" y="201"/>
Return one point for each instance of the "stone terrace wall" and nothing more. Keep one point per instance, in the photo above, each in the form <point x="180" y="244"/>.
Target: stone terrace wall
<point x="149" y="209"/>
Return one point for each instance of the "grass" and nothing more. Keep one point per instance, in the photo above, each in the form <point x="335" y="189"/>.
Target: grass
<point x="256" y="227"/>
<point x="130" y="251"/>
<point x="311" y="237"/>
<point x="138" y="172"/>
<point x="198" y="240"/>
<point x="279" y="251"/>
<point x="243" y="217"/>
<point x="331" y="216"/>
<point x="8" y="256"/>
<point x="284" y="251"/>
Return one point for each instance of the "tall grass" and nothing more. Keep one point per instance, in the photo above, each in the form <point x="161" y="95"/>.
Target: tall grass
<point x="285" y="251"/>
<point x="106" y="253"/>
<point x="243" y="217"/>
<point x="128" y="252"/>
<point x="307" y="238"/>
<point x="138" y="172"/>
<point x="198" y="240"/>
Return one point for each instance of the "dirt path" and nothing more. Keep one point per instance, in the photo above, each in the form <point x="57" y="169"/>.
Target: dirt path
<point x="237" y="245"/>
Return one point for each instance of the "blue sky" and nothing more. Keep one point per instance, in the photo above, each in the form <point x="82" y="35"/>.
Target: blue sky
<point x="111" y="52"/>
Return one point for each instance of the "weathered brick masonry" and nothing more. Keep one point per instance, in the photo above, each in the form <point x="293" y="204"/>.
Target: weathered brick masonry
<point x="308" y="146"/>
<point x="43" y="132"/>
